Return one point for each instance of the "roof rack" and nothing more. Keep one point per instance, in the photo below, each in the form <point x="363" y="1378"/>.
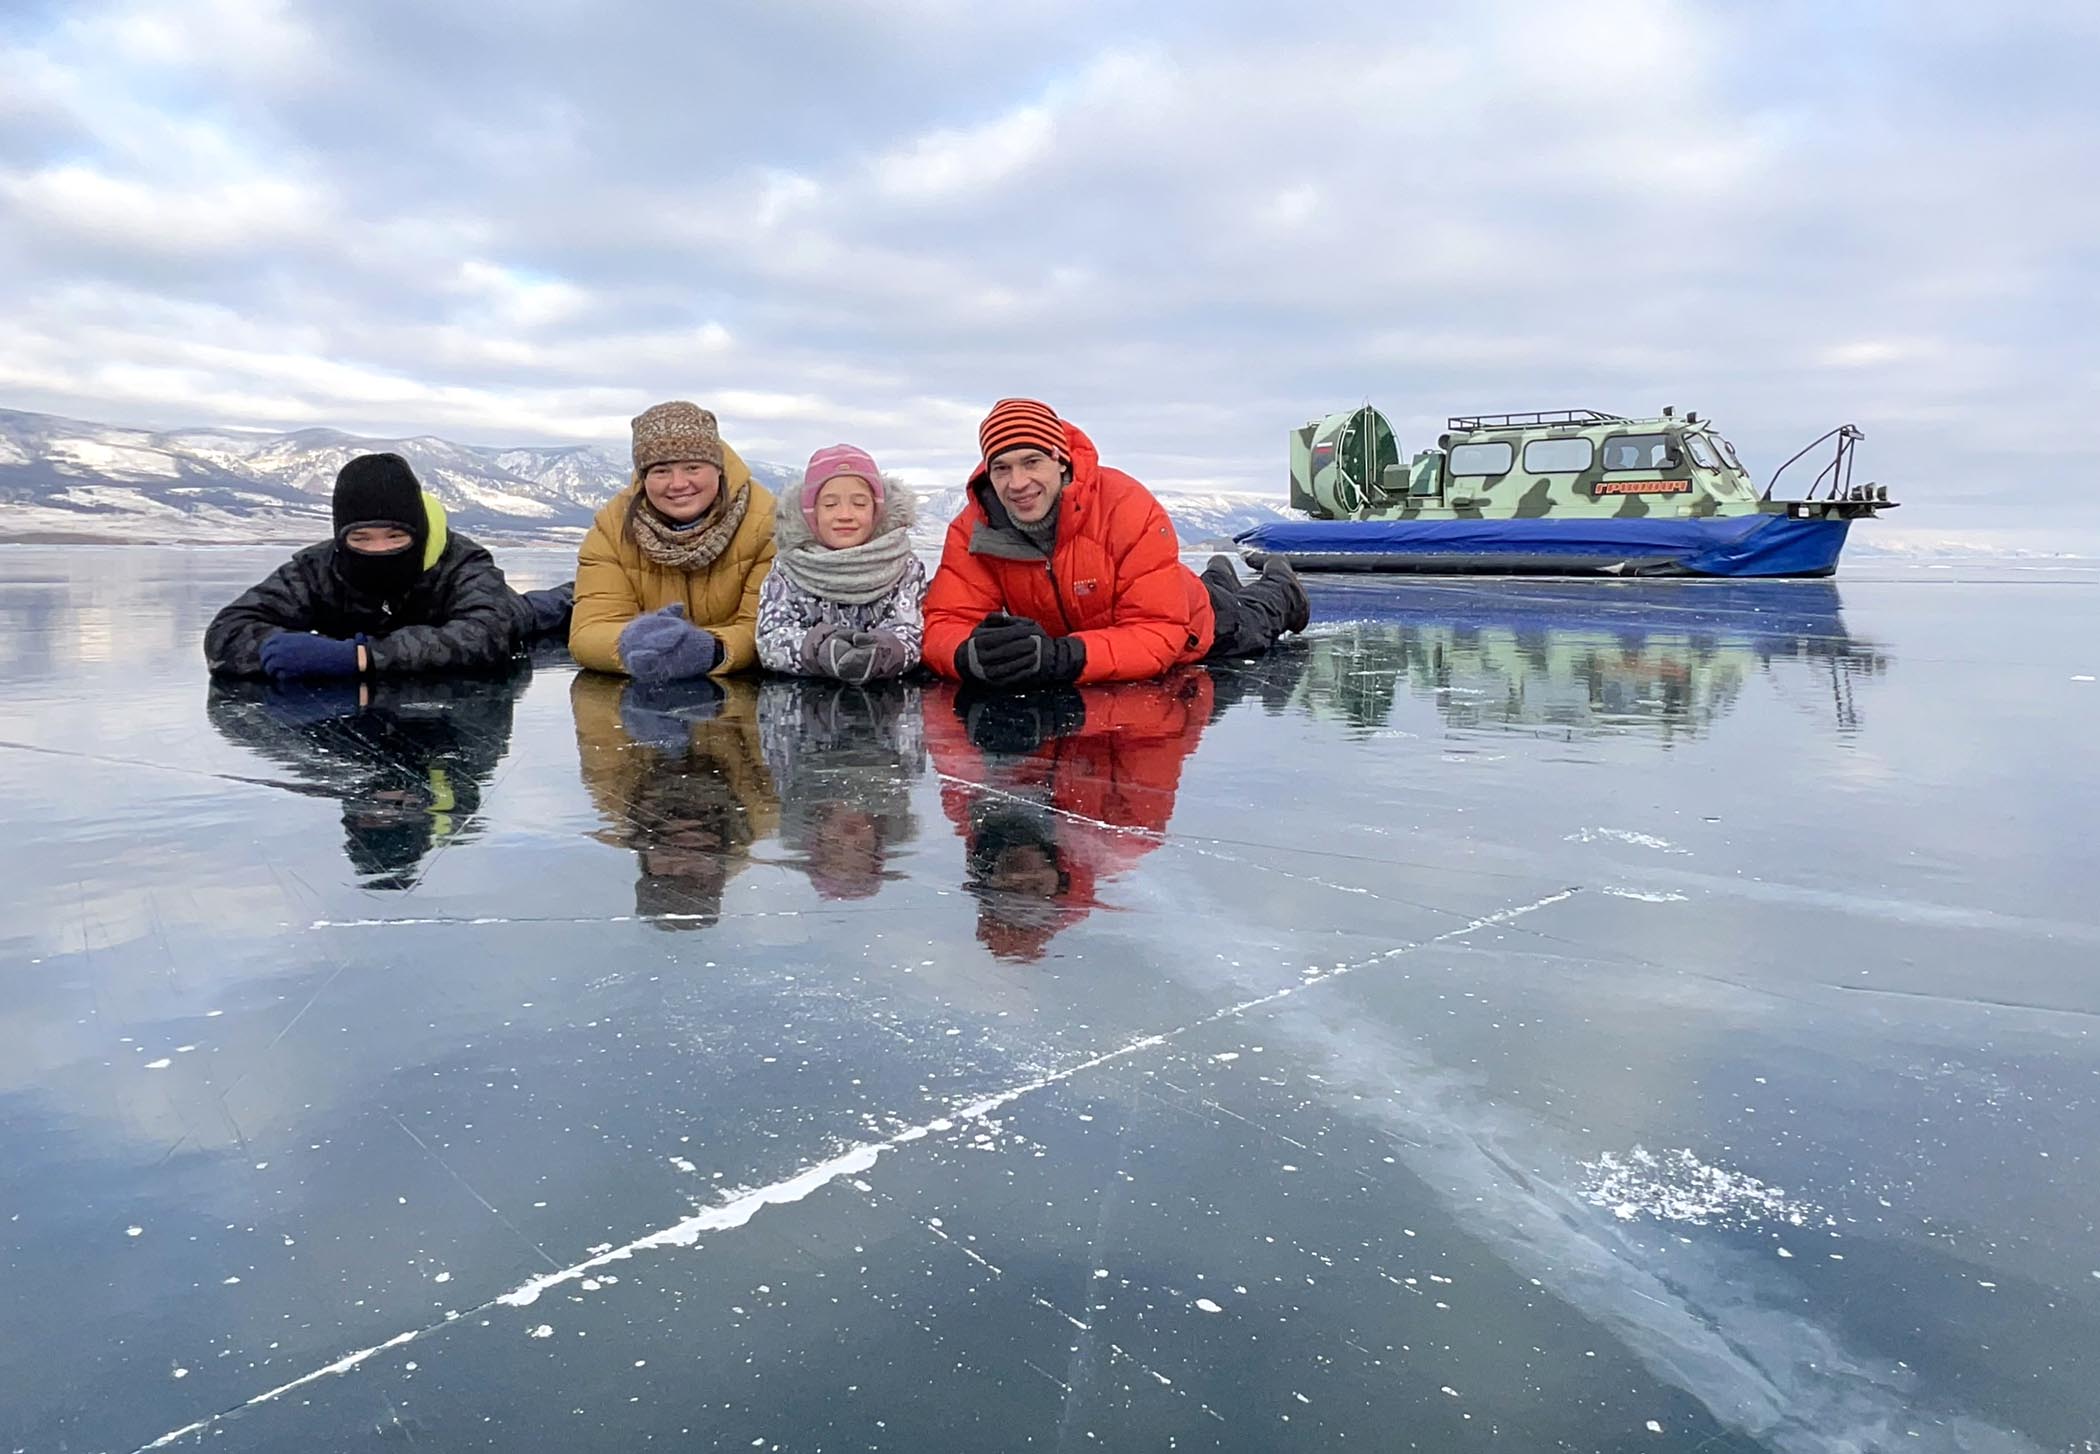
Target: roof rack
<point x="1459" y="423"/>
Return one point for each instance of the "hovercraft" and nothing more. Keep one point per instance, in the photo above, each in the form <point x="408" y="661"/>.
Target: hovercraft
<point x="1559" y="492"/>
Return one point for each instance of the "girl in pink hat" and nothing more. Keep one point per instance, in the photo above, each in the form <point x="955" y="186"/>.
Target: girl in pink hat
<point x="844" y="596"/>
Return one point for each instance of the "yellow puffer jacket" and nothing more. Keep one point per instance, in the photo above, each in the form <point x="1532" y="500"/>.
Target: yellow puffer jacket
<point x="615" y="582"/>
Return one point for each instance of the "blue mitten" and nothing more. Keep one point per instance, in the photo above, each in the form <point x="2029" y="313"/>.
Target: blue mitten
<point x="294" y="654"/>
<point x="663" y="646"/>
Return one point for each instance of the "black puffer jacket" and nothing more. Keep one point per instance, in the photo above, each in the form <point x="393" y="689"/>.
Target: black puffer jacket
<point x="460" y="616"/>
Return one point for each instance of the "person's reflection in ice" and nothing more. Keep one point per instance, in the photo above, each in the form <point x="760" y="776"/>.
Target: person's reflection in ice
<point x="844" y="759"/>
<point x="676" y="771"/>
<point x="1056" y="792"/>
<point x="407" y="757"/>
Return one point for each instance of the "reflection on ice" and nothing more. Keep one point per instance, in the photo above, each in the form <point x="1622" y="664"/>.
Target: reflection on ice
<point x="677" y="773"/>
<point x="1056" y="793"/>
<point x="1524" y="654"/>
<point x="1227" y="1061"/>
<point x="408" y="758"/>
<point x="845" y="760"/>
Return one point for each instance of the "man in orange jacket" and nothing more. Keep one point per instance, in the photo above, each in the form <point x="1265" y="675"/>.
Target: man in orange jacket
<point x="1060" y="569"/>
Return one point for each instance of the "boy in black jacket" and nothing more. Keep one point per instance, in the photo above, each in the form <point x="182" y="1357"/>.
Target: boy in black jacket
<point x="393" y="592"/>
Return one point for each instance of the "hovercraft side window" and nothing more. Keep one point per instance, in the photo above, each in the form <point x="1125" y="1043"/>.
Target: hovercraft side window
<point x="1558" y="456"/>
<point x="1639" y="452"/>
<point x="1482" y="459"/>
<point x="1728" y="453"/>
<point x="1701" y="452"/>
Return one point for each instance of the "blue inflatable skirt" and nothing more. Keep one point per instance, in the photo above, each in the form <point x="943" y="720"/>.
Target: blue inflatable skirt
<point x="1735" y="546"/>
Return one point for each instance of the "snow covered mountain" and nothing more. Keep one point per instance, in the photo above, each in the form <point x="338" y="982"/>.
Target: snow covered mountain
<point x="67" y="479"/>
<point x="1201" y="518"/>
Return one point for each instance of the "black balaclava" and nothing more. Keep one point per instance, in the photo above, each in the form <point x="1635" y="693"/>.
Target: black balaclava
<point x="380" y="489"/>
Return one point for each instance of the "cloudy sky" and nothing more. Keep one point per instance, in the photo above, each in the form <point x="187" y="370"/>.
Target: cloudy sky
<point x="1189" y="226"/>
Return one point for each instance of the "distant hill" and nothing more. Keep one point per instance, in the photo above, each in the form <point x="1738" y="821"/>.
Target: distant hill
<point x="69" y="479"/>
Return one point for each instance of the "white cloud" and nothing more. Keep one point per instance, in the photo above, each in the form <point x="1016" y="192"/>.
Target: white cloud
<point x="249" y="40"/>
<point x="522" y="300"/>
<point x="946" y="163"/>
<point x="1192" y="232"/>
<point x="1293" y="207"/>
<point x="1866" y="353"/>
<point x="238" y="216"/>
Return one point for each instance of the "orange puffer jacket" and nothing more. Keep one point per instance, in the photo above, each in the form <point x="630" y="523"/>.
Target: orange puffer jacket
<point x="1114" y="577"/>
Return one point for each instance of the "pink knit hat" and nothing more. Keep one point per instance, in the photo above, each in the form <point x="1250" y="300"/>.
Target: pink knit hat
<point x="828" y="464"/>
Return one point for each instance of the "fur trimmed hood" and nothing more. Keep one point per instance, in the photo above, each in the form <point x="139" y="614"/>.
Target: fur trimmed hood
<point x="899" y="511"/>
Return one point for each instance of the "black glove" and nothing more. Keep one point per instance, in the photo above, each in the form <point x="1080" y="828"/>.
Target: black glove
<point x="1012" y="654"/>
<point x="1064" y="658"/>
<point x="1002" y="652"/>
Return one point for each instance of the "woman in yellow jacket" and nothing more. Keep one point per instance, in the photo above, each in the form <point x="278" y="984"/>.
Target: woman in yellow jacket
<point x="667" y="580"/>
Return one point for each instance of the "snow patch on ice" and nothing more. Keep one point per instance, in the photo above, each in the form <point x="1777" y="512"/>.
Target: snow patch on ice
<point x="720" y="1218"/>
<point x="1625" y="835"/>
<point x="1648" y="896"/>
<point x="1208" y="1306"/>
<point x="1676" y="1186"/>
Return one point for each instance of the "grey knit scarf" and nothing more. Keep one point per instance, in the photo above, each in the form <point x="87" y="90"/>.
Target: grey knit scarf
<point x="853" y="576"/>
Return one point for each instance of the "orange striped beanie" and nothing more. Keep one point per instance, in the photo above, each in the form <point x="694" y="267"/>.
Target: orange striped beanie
<point x="1021" y="424"/>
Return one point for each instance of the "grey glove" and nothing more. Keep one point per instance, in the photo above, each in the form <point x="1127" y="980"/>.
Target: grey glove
<point x="892" y="657"/>
<point x="812" y="649"/>
<point x="844" y="657"/>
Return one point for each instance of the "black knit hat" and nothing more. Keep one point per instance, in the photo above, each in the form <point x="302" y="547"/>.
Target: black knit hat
<point x="379" y="489"/>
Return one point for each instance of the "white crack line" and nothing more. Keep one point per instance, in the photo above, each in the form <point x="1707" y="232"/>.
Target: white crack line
<point x="738" y="1210"/>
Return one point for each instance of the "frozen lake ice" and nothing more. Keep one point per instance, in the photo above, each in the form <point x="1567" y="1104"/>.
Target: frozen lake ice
<point x="1573" y="1015"/>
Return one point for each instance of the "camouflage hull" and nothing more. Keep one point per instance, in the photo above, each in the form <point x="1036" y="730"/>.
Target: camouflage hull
<point x="1741" y="546"/>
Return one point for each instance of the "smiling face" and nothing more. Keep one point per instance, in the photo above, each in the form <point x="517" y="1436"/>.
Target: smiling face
<point x="682" y="490"/>
<point x="1027" y="481"/>
<point x="378" y="539"/>
<point x="845" y="510"/>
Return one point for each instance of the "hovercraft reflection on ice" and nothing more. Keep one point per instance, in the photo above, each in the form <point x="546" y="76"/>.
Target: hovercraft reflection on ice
<point x="1665" y="659"/>
<point x="1559" y="492"/>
